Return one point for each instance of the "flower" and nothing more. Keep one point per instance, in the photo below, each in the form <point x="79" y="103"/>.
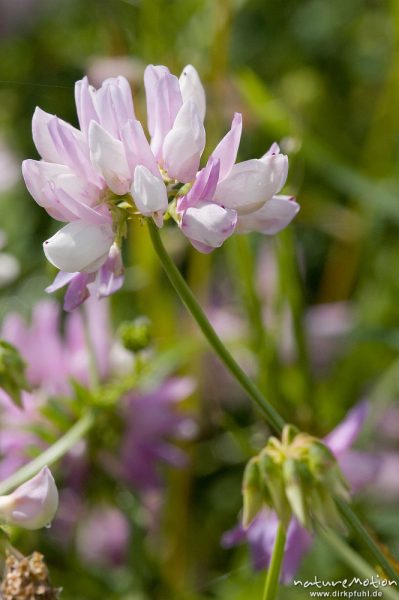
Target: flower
<point x="61" y="358"/>
<point x="228" y="196"/>
<point x="103" y="536"/>
<point x="152" y="420"/>
<point x="98" y="177"/>
<point x="33" y="504"/>
<point x="261" y="533"/>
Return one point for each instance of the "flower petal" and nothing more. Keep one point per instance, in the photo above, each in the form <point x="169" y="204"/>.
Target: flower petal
<point x="226" y="150"/>
<point x="192" y="89"/>
<point x="33" y="504"/>
<point x="340" y="439"/>
<point x="163" y="103"/>
<point x="108" y="156"/>
<point x="204" y="185"/>
<point x="184" y="144"/>
<point x="138" y="151"/>
<point x="208" y="225"/>
<point x="77" y="291"/>
<point x="149" y="192"/>
<point x="79" y="247"/>
<point x="276" y="214"/>
<point x="251" y="183"/>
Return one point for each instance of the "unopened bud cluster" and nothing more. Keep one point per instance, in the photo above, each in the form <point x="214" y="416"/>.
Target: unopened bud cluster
<point x="27" y="578"/>
<point x="296" y="476"/>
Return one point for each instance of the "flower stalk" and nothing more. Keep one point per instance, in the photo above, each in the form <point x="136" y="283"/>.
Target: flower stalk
<point x="188" y="298"/>
<point x="51" y="454"/>
<point x="273" y="573"/>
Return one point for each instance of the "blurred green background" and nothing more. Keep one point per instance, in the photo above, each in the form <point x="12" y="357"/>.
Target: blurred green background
<point x="322" y="79"/>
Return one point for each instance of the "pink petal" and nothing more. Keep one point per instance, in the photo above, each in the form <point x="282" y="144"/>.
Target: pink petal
<point x="274" y="216"/>
<point x="226" y="150"/>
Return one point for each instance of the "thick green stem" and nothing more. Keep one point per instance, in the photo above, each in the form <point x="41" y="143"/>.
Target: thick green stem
<point x="274" y="419"/>
<point x="50" y="455"/>
<point x="273" y="573"/>
<point x="188" y="298"/>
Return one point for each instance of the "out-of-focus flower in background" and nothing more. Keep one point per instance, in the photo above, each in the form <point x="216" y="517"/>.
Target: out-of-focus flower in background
<point x="103" y="536"/>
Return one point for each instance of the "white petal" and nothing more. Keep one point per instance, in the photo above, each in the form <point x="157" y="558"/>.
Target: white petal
<point x="109" y="158"/>
<point x="149" y="192"/>
<point x="79" y="247"/>
<point x="276" y="214"/>
<point x="191" y="89"/>
<point x="184" y="144"/>
<point x="208" y="223"/>
<point x="252" y="183"/>
<point x="33" y="504"/>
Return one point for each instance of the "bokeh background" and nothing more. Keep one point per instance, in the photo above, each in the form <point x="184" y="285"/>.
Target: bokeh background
<point x="322" y="79"/>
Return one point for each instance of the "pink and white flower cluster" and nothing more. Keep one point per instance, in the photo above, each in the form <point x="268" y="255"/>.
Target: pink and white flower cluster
<point x="97" y="177"/>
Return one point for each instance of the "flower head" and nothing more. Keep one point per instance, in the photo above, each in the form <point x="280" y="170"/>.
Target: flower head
<point x="98" y="177"/>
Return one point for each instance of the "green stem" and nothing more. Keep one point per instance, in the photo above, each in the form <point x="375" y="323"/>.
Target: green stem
<point x="358" y="528"/>
<point x="188" y="298"/>
<point x="273" y="417"/>
<point x="273" y="573"/>
<point x="353" y="560"/>
<point x="50" y="455"/>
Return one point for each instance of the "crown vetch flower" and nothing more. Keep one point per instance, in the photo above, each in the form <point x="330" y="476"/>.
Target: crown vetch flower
<point x="33" y="504"/>
<point x="98" y="177"/>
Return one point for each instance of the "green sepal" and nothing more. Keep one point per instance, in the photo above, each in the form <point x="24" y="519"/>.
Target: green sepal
<point x="253" y="499"/>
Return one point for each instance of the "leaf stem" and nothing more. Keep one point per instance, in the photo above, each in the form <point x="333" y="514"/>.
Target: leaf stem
<point x="188" y="298"/>
<point x="273" y="573"/>
<point x="50" y="455"/>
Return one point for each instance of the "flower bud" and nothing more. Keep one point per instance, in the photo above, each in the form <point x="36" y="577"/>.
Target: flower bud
<point x="33" y="504"/>
<point x="252" y="495"/>
<point x="272" y="474"/>
<point x="295" y="479"/>
<point x="136" y="335"/>
<point x="79" y="246"/>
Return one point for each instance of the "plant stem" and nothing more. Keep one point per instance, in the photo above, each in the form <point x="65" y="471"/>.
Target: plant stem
<point x="188" y="298"/>
<point x="273" y="573"/>
<point x="50" y="455"/>
<point x="358" y="528"/>
<point x="273" y="417"/>
<point x="353" y="560"/>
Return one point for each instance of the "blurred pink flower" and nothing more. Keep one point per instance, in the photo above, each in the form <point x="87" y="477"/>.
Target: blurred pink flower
<point x="152" y="421"/>
<point x="103" y="536"/>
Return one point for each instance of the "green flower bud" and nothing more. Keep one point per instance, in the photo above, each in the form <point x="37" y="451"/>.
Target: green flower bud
<point x="12" y="372"/>
<point x="324" y="509"/>
<point x="135" y="335"/>
<point x="320" y="459"/>
<point x="252" y="492"/>
<point x="297" y="480"/>
<point x="272" y="476"/>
